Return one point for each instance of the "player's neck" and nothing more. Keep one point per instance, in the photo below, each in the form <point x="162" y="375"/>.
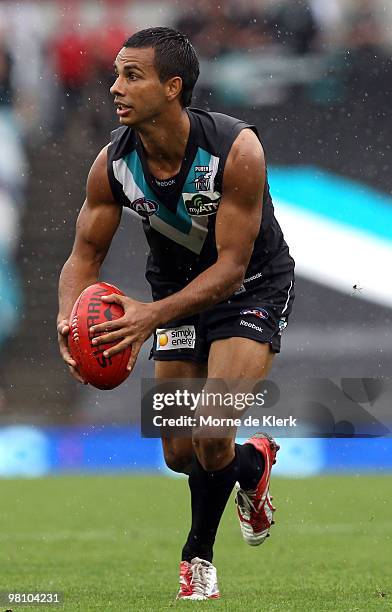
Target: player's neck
<point x="165" y="141"/>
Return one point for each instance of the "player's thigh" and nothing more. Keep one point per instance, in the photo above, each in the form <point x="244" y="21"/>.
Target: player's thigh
<point x="239" y="358"/>
<point x="178" y="451"/>
<point x="236" y="360"/>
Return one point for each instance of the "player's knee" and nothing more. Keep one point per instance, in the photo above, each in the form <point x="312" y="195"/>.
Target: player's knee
<point x="212" y="452"/>
<point x="177" y="462"/>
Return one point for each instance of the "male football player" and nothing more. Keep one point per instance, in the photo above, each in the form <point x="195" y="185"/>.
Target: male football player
<point x="219" y="269"/>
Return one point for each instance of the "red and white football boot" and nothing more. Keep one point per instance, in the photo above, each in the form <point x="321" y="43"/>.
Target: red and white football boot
<point x="198" y="580"/>
<point x="254" y="508"/>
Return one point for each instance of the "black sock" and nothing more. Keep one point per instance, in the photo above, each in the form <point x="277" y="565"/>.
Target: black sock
<point x="251" y="464"/>
<point x="209" y="494"/>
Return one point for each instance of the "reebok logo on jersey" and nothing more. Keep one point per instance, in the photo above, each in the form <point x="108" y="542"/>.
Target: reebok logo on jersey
<point x="165" y="183"/>
<point x="242" y="289"/>
<point x="176" y="338"/>
<point x="252" y="325"/>
<point x="200" y="204"/>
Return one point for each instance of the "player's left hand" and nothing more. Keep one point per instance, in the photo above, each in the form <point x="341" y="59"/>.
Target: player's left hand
<point x="132" y="329"/>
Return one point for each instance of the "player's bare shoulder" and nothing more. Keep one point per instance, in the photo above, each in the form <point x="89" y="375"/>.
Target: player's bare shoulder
<point x="98" y="187"/>
<point x="246" y="147"/>
<point x="100" y="214"/>
<point x="245" y="166"/>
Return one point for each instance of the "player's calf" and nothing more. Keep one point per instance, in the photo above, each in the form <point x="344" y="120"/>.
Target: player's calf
<point x="213" y="453"/>
<point x="178" y="454"/>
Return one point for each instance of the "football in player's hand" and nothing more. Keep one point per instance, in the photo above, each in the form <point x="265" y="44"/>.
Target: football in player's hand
<point x="101" y="372"/>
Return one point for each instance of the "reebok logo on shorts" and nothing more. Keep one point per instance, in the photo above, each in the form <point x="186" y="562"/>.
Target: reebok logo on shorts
<point x="176" y="338"/>
<point x="252" y="325"/>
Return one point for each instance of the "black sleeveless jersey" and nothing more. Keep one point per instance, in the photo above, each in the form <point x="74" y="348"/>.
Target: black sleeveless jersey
<point x="179" y="213"/>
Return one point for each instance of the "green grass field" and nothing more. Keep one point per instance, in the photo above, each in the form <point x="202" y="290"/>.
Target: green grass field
<point x="113" y="542"/>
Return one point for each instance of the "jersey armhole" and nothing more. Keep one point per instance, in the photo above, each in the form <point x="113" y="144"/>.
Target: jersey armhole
<point x="226" y="145"/>
<point x="115" y="185"/>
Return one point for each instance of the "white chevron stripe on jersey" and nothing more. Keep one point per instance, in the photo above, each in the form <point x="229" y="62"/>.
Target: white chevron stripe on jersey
<point x="193" y="241"/>
<point x="125" y="177"/>
<point x="214" y="164"/>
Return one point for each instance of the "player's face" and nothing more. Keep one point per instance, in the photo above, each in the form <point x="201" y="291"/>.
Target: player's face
<point x="139" y="95"/>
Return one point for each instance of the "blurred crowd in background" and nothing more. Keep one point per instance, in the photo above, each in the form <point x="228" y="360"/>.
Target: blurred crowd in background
<point x="56" y="56"/>
<point x="56" y="67"/>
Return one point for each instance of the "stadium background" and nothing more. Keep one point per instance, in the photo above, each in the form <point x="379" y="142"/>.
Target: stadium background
<point x="316" y="79"/>
<point x="86" y="505"/>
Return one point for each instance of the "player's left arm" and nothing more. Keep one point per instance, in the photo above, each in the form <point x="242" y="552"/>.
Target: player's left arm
<point x="237" y="226"/>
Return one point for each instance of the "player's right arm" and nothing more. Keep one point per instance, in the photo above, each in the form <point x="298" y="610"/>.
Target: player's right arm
<point x="97" y="222"/>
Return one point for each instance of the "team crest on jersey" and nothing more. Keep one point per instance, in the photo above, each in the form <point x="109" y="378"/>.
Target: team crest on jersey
<point x="202" y="180"/>
<point x="201" y="204"/>
<point x="144" y="207"/>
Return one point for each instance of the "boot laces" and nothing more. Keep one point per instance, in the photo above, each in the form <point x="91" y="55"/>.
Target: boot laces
<point x="201" y="578"/>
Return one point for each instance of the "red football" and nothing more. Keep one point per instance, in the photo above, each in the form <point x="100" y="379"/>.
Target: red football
<point x="101" y="372"/>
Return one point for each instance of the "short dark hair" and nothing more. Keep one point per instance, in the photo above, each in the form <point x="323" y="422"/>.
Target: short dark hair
<point x="174" y="56"/>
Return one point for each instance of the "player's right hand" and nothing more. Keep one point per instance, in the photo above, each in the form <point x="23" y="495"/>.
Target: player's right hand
<point x="62" y="337"/>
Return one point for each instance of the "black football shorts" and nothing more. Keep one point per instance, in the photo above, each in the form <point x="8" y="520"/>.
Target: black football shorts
<point x="254" y="316"/>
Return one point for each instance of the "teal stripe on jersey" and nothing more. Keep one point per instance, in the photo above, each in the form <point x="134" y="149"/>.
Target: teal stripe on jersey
<point x="181" y="221"/>
<point x="202" y="158"/>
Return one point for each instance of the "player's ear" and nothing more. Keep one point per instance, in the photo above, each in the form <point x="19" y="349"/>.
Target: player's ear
<point x="173" y="88"/>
